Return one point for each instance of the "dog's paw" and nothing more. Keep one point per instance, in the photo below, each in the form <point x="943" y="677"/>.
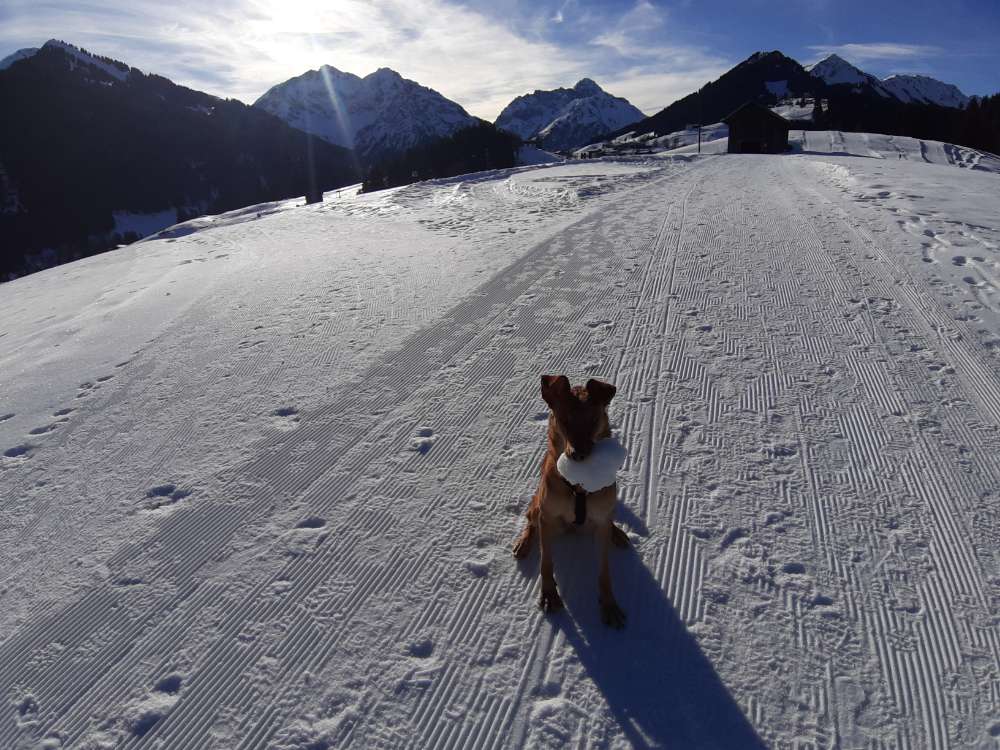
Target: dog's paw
<point x="522" y="547"/>
<point x="612" y="615"/>
<point x="619" y="538"/>
<point x="550" y="602"/>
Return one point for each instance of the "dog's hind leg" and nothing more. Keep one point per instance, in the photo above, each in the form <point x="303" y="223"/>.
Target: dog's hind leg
<point x="611" y="613"/>
<point x="522" y="547"/>
<point x="550" y="600"/>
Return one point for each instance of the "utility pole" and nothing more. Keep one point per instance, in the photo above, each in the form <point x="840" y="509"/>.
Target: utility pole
<point x="701" y="116"/>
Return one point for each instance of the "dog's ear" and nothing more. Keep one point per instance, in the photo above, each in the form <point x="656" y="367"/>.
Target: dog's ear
<point x="600" y="391"/>
<point x="555" y="389"/>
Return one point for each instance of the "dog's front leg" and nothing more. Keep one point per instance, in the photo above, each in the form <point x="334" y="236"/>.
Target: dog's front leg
<point x="611" y="613"/>
<point x="523" y="544"/>
<point x="550" y="600"/>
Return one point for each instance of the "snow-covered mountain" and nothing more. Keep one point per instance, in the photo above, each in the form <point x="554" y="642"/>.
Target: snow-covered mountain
<point x="567" y="118"/>
<point x="378" y="115"/>
<point x="914" y="88"/>
<point x="835" y="70"/>
<point x="94" y="152"/>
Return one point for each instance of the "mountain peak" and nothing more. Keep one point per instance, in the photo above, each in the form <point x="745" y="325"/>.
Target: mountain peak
<point x="21" y="54"/>
<point x="834" y="58"/>
<point x="387" y="74"/>
<point x="763" y="55"/>
<point x="330" y="69"/>
<point x="835" y="70"/>
<point x="587" y="86"/>
<point x="113" y="68"/>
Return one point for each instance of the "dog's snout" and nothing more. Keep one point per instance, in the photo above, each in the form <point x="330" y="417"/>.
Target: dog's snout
<point x="579" y="453"/>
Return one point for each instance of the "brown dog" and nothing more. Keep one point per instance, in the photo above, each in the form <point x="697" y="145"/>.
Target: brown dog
<point x="578" y="418"/>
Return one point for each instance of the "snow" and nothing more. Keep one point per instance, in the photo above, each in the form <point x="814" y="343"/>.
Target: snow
<point x="143" y="224"/>
<point x="260" y="473"/>
<point x="21" y="54"/>
<point x="688" y="136"/>
<point x="791" y="109"/>
<point x="915" y="88"/>
<point x="567" y="118"/>
<point x="836" y="70"/>
<point x="118" y="71"/>
<point x="907" y="88"/>
<point x="600" y="468"/>
<point x="378" y="114"/>
<point x="530" y="155"/>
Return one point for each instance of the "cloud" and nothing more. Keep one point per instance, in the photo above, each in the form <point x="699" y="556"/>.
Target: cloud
<point x="877" y="51"/>
<point x="654" y="72"/>
<point x="239" y="48"/>
<point x="637" y="33"/>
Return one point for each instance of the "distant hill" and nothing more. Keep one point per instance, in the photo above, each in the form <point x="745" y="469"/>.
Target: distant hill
<point x="764" y="76"/>
<point x="380" y="115"/>
<point x="852" y="100"/>
<point x="94" y="153"/>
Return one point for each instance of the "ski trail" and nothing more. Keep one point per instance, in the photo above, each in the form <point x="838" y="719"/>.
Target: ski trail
<point x="810" y="488"/>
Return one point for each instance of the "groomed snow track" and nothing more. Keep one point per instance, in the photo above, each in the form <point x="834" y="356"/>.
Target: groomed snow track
<point x="812" y="488"/>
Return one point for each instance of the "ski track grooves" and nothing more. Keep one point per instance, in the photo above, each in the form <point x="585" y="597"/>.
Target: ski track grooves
<point x="802" y="489"/>
<point x="212" y="525"/>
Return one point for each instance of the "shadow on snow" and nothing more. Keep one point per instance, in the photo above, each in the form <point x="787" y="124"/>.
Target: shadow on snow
<point x="658" y="684"/>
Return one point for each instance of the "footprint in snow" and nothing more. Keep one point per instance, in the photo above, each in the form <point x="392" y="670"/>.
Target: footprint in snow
<point x="162" y="496"/>
<point x="421" y="648"/>
<point x="478" y="567"/>
<point x="170" y="684"/>
<point x="23" y="451"/>
<point x="27" y="712"/>
<point x="311" y="522"/>
<point x="286" y="418"/>
<point x="423" y="440"/>
<point x="44" y="428"/>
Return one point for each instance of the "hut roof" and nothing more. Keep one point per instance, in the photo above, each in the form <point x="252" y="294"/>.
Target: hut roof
<point x="757" y="109"/>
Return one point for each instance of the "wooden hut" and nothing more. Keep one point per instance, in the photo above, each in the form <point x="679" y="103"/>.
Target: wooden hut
<point x="754" y="129"/>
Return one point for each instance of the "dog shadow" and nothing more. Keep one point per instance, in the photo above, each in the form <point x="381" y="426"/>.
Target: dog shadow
<point x="658" y="684"/>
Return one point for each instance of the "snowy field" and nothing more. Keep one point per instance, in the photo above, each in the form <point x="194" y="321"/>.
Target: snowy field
<point x="260" y="474"/>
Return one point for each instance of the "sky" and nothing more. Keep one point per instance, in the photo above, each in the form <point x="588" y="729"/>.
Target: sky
<point x="483" y="53"/>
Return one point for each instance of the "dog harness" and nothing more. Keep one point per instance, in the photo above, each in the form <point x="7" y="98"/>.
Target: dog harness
<point x="579" y="502"/>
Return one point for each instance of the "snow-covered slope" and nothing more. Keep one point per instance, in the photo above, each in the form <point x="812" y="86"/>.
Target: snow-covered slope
<point x="260" y="475"/>
<point x="907" y="88"/>
<point x="795" y="109"/>
<point x="380" y="114"/>
<point x="567" y="118"/>
<point x="113" y="68"/>
<point x="914" y="88"/>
